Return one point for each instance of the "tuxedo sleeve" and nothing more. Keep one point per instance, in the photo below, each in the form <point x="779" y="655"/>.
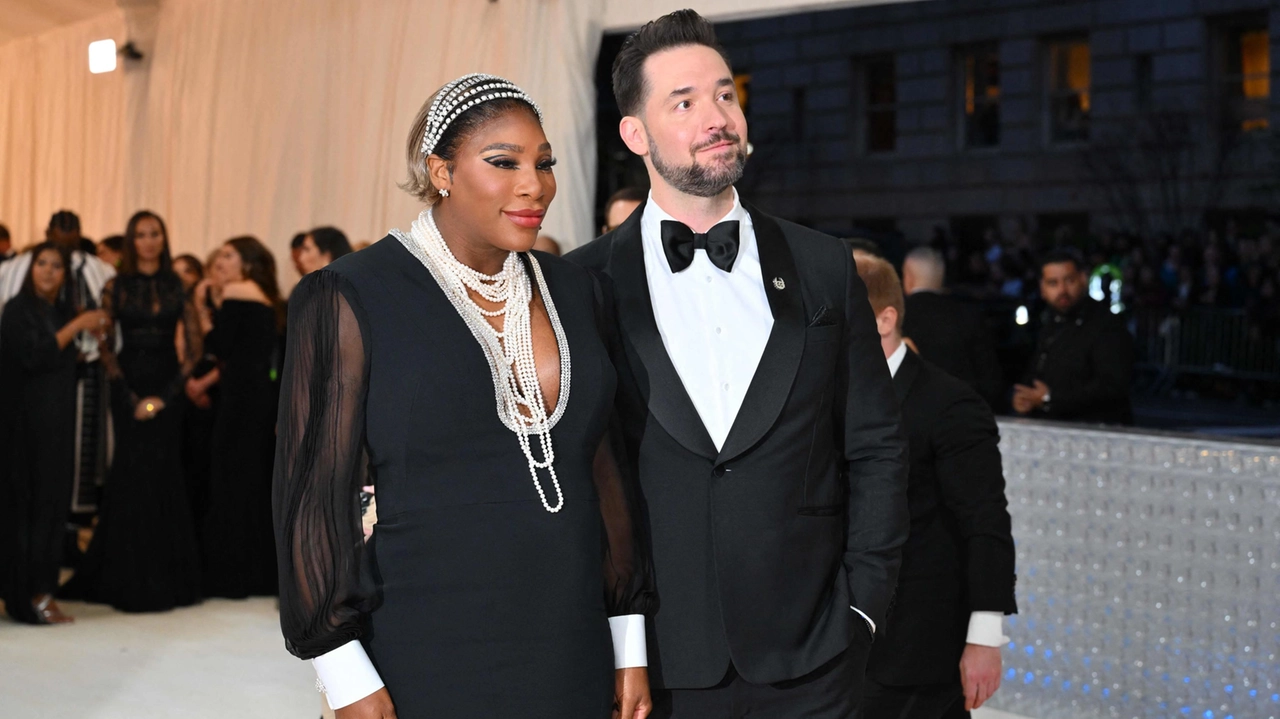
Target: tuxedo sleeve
<point x="967" y="464"/>
<point x="875" y="458"/>
<point x="1110" y="359"/>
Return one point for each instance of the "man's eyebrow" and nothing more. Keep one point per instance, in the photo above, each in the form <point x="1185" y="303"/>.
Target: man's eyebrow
<point x="680" y="91"/>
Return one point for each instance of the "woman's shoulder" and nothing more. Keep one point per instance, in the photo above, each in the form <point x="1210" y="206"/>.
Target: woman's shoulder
<point x="244" y="291"/>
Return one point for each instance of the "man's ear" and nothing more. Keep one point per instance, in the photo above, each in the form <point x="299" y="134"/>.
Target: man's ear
<point x="633" y="134"/>
<point x="887" y="321"/>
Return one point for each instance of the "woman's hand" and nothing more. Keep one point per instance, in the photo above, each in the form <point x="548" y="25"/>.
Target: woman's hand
<point x="147" y="408"/>
<point x="375" y="706"/>
<point x="631" y="694"/>
<point x="92" y="321"/>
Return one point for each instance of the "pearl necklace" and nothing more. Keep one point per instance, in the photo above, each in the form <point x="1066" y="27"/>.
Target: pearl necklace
<point x="519" y="398"/>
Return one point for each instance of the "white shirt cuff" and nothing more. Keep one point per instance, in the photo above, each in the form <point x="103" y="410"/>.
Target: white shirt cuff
<point x="987" y="629"/>
<point x="870" y="624"/>
<point x="629" y="648"/>
<point x="346" y="675"/>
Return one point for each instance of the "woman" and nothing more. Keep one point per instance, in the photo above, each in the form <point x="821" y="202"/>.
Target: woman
<point x="504" y="543"/>
<point x="37" y="433"/>
<point x="245" y="320"/>
<point x="190" y="270"/>
<point x="320" y="247"/>
<point x="144" y="556"/>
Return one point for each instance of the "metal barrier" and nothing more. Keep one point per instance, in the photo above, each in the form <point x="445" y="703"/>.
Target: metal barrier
<point x="1148" y="575"/>
<point x="1206" y="341"/>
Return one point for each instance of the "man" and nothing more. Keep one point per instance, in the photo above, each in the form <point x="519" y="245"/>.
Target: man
<point x="940" y="653"/>
<point x="620" y="206"/>
<point x="84" y="285"/>
<point x="295" y="252"/>
<point x="6" y="244"/>
<point x="111" y="251"/>
<point x="948" y="332"/>
<point x="754" y="404"/>
<point x="1083" y="361"/>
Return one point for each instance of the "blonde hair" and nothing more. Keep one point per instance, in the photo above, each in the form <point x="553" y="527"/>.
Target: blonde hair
<point x="884" y="289"/>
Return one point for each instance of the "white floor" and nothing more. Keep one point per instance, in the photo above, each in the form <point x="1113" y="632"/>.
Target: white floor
<point x="220" y="659"/>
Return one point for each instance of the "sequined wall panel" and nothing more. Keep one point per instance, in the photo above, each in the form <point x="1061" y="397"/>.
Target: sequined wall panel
<point x="1148" y="576"/>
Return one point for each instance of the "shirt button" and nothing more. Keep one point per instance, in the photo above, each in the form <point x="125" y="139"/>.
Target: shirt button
<point x="718" y="330"/>
<point x="708" y="278"/>
<point x="726" y="386"/>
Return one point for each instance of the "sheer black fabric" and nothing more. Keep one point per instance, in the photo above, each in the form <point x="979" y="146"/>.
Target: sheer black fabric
<point x="144" y="555"/>
<point x="470" y="598"/>
<point x="37" y="439"/>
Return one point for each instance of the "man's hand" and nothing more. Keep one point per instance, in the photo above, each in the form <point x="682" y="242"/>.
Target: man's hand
<point x="979" y="674"/>
<point x="1026" y="399"/>
<point x="631" y="694"/>
<point x="375" y="706"/>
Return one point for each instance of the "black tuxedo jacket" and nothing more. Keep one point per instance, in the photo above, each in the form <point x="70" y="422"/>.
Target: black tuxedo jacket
<point x="1086" y="359"/>
<point x="760" y="548"/>
<point x="952" y="335"/>
<point x="960" y="557"/>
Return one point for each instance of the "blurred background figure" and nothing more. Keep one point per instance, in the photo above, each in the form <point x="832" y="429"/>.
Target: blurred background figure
<point x="548" y="244"/>
<point x="244" y="323"/>
<point x="620" y="206"/>
<point x="947" y="331"/>
<point x="295" y="252"/>
<point x="111" y="250"/>
<point x="6" y="244"/>
<point x="939" y="655"/>
<point x="143" y="556"/>
<point x="1083" y="361"/>
<point x="38" y="329"/>
<point x="190" y="270"/>
<point x="319" y="247"/>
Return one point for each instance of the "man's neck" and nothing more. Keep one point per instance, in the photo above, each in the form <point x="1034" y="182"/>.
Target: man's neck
<point x="890" y="343"/>
<point x="699" y="213"/>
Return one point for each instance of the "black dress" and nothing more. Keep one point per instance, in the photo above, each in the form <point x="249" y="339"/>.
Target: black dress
<point x="470" y="598"/>
<point x="37" y="439"/>
<point x="239" y="546"/>
<point x="144" y="556"/>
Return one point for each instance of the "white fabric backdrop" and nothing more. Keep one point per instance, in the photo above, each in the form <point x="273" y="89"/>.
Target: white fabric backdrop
<point x="269" y="118"/>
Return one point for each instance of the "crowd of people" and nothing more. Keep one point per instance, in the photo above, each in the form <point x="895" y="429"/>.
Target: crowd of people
<point x="184" y="356"/>
<point x="1169" y="273"/>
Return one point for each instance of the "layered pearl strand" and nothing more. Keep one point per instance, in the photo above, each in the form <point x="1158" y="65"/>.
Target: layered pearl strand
<point x="509" y="352"/>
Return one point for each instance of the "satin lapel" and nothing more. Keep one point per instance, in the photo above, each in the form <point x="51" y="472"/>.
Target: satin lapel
<point x="666" y="395"/>
<point x="906" y="375"/>
<point x="771" y="384"/>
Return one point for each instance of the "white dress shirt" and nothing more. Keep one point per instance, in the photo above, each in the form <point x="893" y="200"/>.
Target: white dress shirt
<point x="985" y="628"/>
<point x="714" y="324"/>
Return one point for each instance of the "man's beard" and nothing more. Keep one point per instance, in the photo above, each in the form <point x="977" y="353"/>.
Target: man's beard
<point x="701" y="180"/>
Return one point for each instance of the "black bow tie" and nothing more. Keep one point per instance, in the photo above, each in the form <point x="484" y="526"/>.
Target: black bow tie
<point x="720" y="242"/>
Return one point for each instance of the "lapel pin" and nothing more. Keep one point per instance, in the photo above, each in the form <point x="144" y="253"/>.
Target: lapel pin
<point x="778" y="284"/>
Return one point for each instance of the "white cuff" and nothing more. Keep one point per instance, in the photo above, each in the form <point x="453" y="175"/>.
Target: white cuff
<point x="987" y="629"/>
<point x="629" y="649"/>
<point x="346" y="675"/>
<point x="870" y="624"/>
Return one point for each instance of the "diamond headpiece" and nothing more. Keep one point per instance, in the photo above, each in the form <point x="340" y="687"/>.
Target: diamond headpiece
<point x="463" y="94"/>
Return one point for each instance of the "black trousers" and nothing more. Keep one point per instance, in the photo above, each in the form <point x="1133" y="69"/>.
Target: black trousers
<point x="829" y="692"/>
<point x="930" y="701"/>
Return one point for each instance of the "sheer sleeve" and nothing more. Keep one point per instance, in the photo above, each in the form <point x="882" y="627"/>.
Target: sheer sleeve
<point x="107" y="345"/>
<point x="190" y="347"/>
<point x="321" y="433"/>
<point x="628" y="565"/>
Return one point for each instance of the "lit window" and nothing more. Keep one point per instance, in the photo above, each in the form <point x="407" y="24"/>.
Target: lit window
<point x="980" y="86"/>
<point x="1247" y="77"/>
<point x="1068" y="101"/>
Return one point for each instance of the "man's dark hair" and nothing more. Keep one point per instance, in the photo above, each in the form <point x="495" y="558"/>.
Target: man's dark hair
<point x="65" y="220"/>
<point x="331" y="240"/>
<point x="4" y="232"/>
<point x="1059" y="256"/>
<point x="626" y="194"/>
<point x="114" y="242"/>
<point x="680" y="28"/>
<point x="297" y="240"/>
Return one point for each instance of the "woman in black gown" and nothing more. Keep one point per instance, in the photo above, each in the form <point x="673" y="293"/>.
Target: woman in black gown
<point x="238" y="541"/>
<point x="144" y="556"/>
<point x="484" y="591"/>
<point x="37" y="434"/>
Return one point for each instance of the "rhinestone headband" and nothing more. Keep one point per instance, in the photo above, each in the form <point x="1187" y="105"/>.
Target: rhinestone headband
<point x="463" y="94"/>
